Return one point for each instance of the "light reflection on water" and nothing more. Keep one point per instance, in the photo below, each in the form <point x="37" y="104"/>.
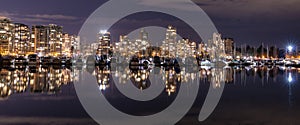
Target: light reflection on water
<point x="50" y="79"/>
<point x="33" y="80"/>
<point x="250" y="92"/>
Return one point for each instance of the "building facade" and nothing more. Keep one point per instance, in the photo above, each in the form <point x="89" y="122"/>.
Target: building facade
<point x="20" y="44"/>
<point x="169" y="44"/>
<point x="229" y="47"/>
<point x="55" y="39"/>
<point x="47" y="40"/>
<point x="5" y="35"/>
<point x="40" y="40"/>
<point x="104" y="43"/>
<point x="216" y="48"/>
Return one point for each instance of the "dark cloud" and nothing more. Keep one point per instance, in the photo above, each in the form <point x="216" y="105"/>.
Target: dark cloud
<point x="53" y="16"/>
<point x="35" y="18"/>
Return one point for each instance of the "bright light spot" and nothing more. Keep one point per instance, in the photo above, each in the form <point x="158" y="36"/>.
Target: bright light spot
<point x="103" y="31"/>
<point x="290" y="48"/>
<point x="290" y="79"/>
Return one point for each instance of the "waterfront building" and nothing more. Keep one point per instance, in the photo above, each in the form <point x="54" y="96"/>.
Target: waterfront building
<point x="5" y="35"/>
<point x="123" y="46"/>
<point x="76" y="44"/>
<point x="20" y="43"/>
<point x="143" y="43"/>
<point x="229" y="47"/>
<point x="47" y="40"/>
<point x="143" y="35"/>
<point x="89" y="49"/>
<point x="39" y="40"/>
<point x="169" y="44"/>
<point x="66" y="44"/>
<point x="70" y="44"/>
<point x="104" y="43"/>
<point x="217" y="48"/>
<point x="273" y="52"/>
<point x="203" y="51"/>
<point x="185" y="48"/>
<point x="139" y="46"/>
<point x="55" y="39"/>
<point x="181" y="48"/>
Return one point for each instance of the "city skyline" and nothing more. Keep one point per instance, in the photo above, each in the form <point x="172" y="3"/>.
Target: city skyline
<point x="275" y="21"/>
<point x="51" y="39"/>
<point x="44" y="40"/>
<point x="132" y="62"/>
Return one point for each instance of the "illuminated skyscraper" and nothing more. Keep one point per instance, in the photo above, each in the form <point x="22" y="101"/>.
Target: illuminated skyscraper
<point x="70" y="44"/>
<point x="217" y="48"/>
<point x="21" y="39"/>
<point x="75" y="42"/>
<point x="229" y="47"/>
<point x="66" y="44"/>
<point x="169" y="47"/>
<point x="55" y="39"/>
<point x="47" y="40"/>
<point x="124" y="46"/>
<point x="39" y="40"/>
<point x="5" y="35"/>
<point x="142" y="43"/>
<point x="143" y="35"/>
<point x="128" y="48"/>
<point x="104" y="43"/>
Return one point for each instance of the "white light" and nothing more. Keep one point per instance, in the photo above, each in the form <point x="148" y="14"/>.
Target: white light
<point x="290" y="79"/>
<point x="290" y="48"/>
<point x="103" y="31"/>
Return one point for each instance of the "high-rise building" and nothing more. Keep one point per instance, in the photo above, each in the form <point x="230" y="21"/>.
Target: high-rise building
<point x="40" y="40"/>
<point x="229" y="47"/>
<point x="104" y="43"/>
<point x="181" y="48"/>
<point x="21" y="39"/>
<point x="5" y="35"/>
<point x="143" y="41"/>
<point x="128" y="48"/>
<point x="70" y="44"/>
<point x="55" y="39"/>
<point x="75" y="42"/>
<point x="66" y="44"/>
<point x="169" y="45"/>
<point x="185" y="48"/>
<point x="216" y="48"/>
<point x="123" y="46"/>
<point x="143" y="35"/>
<point x="47" y="40"/>
<point x="203" y="50"/>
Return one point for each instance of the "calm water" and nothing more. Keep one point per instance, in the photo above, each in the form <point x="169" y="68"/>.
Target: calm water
<point x="252" y="95"/>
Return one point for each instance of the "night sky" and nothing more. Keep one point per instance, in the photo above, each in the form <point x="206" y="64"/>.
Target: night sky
<point x="247" y="21"/>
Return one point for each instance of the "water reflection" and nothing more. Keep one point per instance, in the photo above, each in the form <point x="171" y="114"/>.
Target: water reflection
<point x="33" y="80"/>
<point x="49" y="80"/>
<point x="173" y="76"/>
